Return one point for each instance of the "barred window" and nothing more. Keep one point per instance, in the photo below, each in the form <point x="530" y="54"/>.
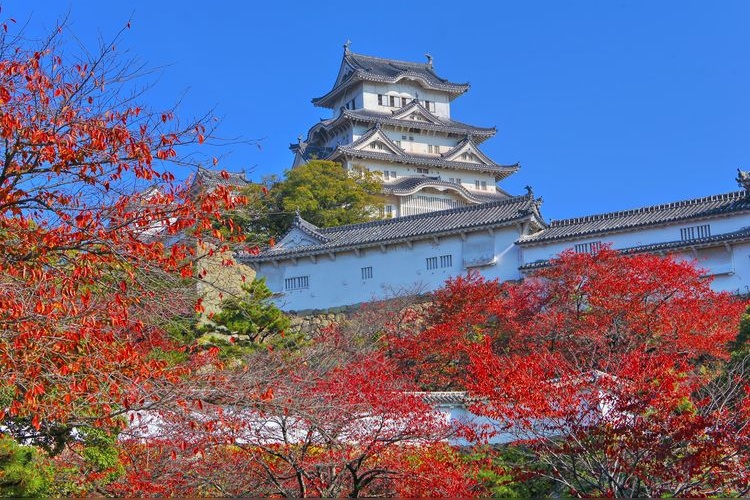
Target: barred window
<point x="367" y="273"/>
<point x="694" y="232"/>
<point x="297" y="283"/>
<point x="590" y="247"/>
<point x="443" y="262"/>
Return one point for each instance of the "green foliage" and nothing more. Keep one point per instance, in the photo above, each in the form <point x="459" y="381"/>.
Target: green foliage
<point x="512" y="483"/>
<point x="741" y="345"/>
<point x="24" y="470"/>
<point x="324" y="192"/>
<point x="248" y="322"/>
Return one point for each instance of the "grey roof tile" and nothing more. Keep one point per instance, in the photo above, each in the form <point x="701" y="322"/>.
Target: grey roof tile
<point x="377" y="69"/>
<point x="423" y="226"/>
<point x="667" y="246"/>
<point x="444" y="398"/>
<point x="500" y="171"/>
<point x="626" y="220"/>
<point x="446" y="125"/>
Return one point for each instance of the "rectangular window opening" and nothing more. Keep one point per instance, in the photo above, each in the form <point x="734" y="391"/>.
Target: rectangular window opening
<point x="367" y="273"/>
<point x="590" y="247"/>
<point x="695" y="232"/>
<point x="297" y="283"/>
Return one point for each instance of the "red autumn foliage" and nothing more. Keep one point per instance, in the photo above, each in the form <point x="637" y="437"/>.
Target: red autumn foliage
<point x="341" y="420"/>
<point x="91" y="219"/>
<point x="613" y="371"/>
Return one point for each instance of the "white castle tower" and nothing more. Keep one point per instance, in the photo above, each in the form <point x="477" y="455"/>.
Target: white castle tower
<point x="394" y="117"/>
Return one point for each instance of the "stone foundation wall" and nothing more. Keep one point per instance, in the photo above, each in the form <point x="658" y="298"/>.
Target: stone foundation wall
<point x="312" y="323"/>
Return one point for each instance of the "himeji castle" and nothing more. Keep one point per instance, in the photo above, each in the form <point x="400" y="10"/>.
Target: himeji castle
<point x="394" y="117"/>
<point x="445" y="213"/>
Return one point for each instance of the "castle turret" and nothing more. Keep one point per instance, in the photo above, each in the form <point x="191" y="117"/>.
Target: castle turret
<point x="394" y="117"/>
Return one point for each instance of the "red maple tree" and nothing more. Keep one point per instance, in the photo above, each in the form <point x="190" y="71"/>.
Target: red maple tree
<point x="612" y="372"/>
<point x="93" y="240"/>
<point x="336" y="419"/>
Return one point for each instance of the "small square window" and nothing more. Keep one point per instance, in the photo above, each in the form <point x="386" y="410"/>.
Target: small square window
<point x="367" y="273"/>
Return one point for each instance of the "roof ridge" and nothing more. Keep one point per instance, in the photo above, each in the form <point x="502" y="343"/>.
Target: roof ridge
<point x="648" y="209"/>
<point x="364" y="114"/>
<point x="459" y="165"/>
<point x="406" y="218"/>
<point x="386" y="59"/>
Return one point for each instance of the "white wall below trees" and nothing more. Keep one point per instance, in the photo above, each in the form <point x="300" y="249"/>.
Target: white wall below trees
<point x="337" y="280"/>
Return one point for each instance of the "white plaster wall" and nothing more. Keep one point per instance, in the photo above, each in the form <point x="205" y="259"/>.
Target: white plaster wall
<point x="726" y="224"/>
<point x="727" y="266"/>
<point x="408" y="89"/>
<point x="353" y="92"/>
<point x="467" y="177"/>
<point x="397" y="270"/>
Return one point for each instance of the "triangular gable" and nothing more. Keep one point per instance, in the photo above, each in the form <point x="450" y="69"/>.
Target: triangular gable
<point x="415" y="109"/>
<point x="297" y="238"/>
<point x="376" y="140"/>
<point x="345" y="71"/>
<point x="302" y="234"/>
<point x="468" y="152"/>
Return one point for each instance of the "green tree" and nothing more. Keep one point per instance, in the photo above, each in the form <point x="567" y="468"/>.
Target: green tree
<point x="24" y="470"/>
<point x="248" y="321"/>
<point x="326" y="194"/>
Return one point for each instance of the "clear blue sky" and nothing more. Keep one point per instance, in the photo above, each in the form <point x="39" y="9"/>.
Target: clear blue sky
<point x="607" y="105"/>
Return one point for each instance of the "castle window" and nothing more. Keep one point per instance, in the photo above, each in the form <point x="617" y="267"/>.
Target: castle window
<point x="590" y="247"/>
<point x="367" y="273"/>
<point x="297" y="283"/>
<point x="398" y="143"/>
<point x="389" y="211"/>
<point x="484" y="185"/>
<point x="433" y="149"/>
<point x="392" y="100"/>
<point x="403" y="101"/>
<point x="446" y="261"/>
<point x="424" y="171"/>
<point x="693" y="232"/>
<point x="376" y="145"/>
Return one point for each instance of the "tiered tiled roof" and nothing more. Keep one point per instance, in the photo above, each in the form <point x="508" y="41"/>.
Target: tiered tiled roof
<point x="657" y="215"/>
<point x="415" y="227"/>
<point x="369" y="117"/>
<point x="375" y="69"/>
<point x="409" y="185"/>
<point x="352" y="150"/>
<point x="500" y="171"/>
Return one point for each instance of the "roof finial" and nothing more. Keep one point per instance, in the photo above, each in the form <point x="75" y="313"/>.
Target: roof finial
<point x="743" y="179"/>
<point x="299" y="139"/>
<point x="529" y="191"/>
<point x="346" y="47"/>
<point x="429" y="60"/>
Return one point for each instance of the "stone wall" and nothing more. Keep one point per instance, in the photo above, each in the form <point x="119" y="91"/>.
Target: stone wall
<point x="313" y="322"/>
